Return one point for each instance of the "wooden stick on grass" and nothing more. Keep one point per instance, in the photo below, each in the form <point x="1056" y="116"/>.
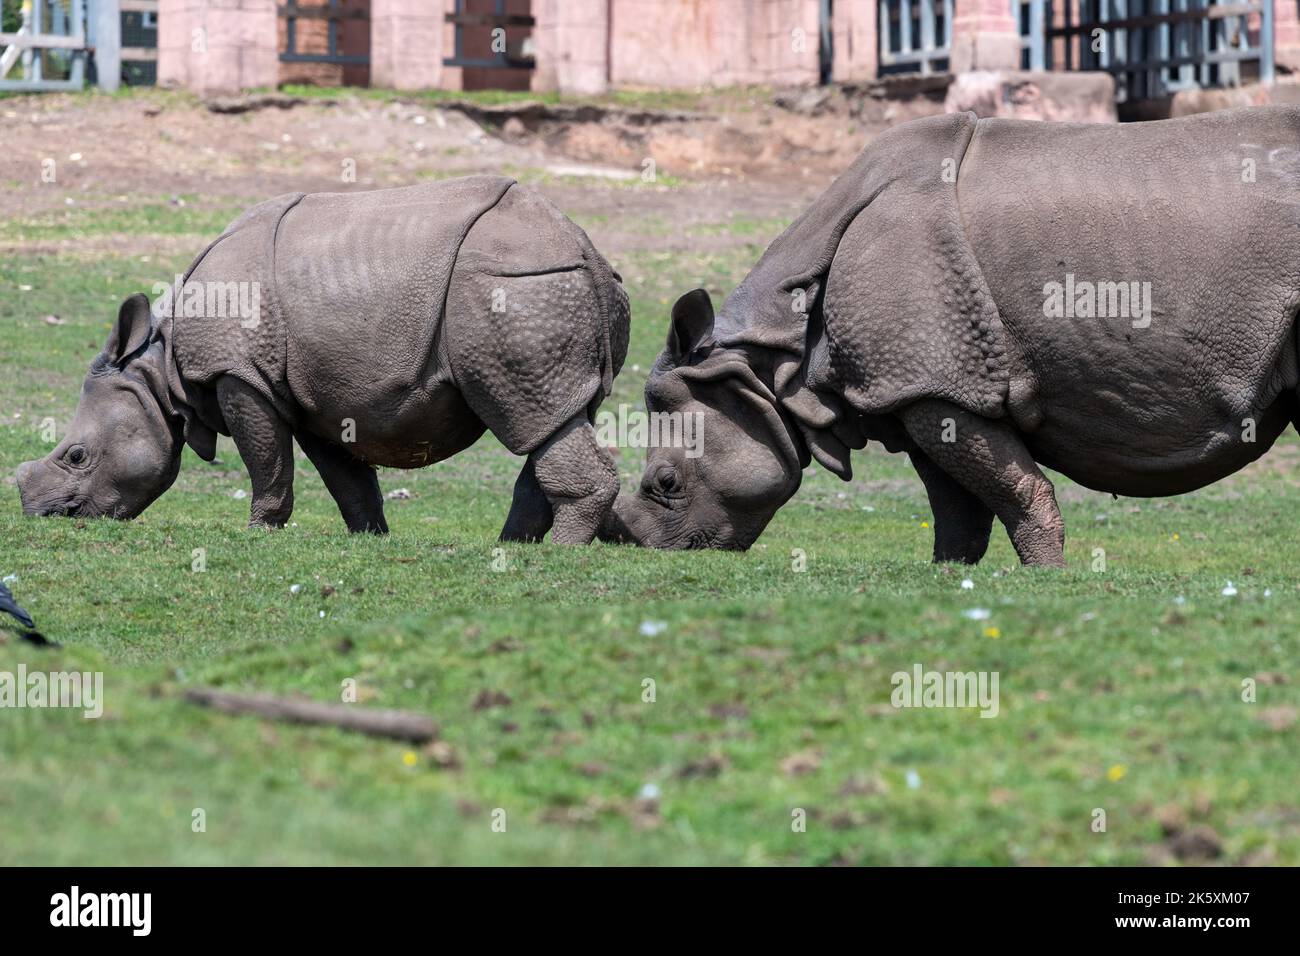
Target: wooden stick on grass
<point x="397" y="724"/>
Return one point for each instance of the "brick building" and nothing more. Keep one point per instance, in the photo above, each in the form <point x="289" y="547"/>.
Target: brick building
<point x="589" y="46"/>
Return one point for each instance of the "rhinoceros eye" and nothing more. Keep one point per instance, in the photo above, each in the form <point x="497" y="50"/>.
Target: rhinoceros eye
<point x="664" y="484"/>
<point x="77" y="456"/>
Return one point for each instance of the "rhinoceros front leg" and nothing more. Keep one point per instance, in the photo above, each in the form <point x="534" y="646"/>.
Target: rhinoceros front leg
<point x="579" y="480"/>
<point x="353" y="484"/>
<point x="961" y="521"/>
<point x="988" y="459"/>
<point x="265" y="442"/>
<point x="530" y="511"/>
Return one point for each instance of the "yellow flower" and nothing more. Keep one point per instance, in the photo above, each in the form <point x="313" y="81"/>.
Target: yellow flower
<point x="409" y="758"/>
<point x="1116" y="773"/>
<point x="992" y="632"/>
<point x="1175" y="537"/>
<point x="925" y="524"/>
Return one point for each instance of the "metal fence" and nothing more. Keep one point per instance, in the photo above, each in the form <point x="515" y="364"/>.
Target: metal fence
<point x="48" y="49"/>
<point x="915" y="35"/>
<point x="1151" y="47"/>
<point x="333" y="14"/>
<point x="139" y="42"/>
<point x="494" y="47"/>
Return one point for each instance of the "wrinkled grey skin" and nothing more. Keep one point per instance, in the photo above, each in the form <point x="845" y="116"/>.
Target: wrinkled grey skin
<point x="395" y="327"/>
<point x="926" y="327"/>
<point x="123" y="447"/>
<point x="750" y="465"/>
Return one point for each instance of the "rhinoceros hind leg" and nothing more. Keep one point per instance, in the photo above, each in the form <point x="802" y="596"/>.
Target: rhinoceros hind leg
<point x="530" y="512"/>
<point x="961" y="521"/>
<point x="352" y="483"/>
<point x="265" y="442"/>
<point x="579" y="480"/>
<point x="988" y="459"/>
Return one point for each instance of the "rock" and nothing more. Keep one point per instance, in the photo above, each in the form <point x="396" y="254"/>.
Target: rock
<point x="801" y="763"/>
<point x="1190" y="102"/>
<point x="1065" y="97"/>
<point x="251" y="102"/>
<point x="1172" y="819"/>
<point x="1196" y="844"/>
<point x="514" y="128"/>
<point x="807" y="101"/>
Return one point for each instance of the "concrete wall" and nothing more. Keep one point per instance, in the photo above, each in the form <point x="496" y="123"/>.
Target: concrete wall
<point x="984" y="36"/>
<point x="408" y="40"/>
<point x="588" y="46"/>
<point x="1286" y="30"/>
<point x="217" y="45"/>
<point x="687" y="43"/>
<point x="571" y="45"/>
<point x="855" y="43"/>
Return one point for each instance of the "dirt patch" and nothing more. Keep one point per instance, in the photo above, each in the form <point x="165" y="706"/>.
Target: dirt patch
<point x="169" y="144"/>
<point x="155" y="142"/>
<point x="806" y="134"/>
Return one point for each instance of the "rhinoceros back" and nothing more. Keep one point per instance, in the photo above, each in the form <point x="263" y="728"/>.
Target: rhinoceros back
<point x="1196" y="220"/>
<point x="209" y="331"/>
<point x="362" y="279"/>
<point x="537" y="323"/>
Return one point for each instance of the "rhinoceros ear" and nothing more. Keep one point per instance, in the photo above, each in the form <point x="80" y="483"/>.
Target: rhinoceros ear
<point x="692" y="324"/>
<point x="200" y="437"/>
<point x="134" y="322"/>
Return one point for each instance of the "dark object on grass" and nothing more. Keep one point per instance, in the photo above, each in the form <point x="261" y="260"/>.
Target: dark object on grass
<point x="9" y="606"/>
<point x="397" y="724"/>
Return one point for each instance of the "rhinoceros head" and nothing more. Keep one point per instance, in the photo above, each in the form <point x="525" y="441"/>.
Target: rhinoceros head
<point x="123" y="447"/>
<point x="742" y="464"/>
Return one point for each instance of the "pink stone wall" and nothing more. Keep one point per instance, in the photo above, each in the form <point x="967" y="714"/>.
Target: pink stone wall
<point x="855" y="41"/>
<point x="571" y="42"/>
<point x="686" y="43"/>
<point x="984" y="36"/>
<point x="1286" y="33"/>
<point x="586" y="46"/>
<point x="217" y="45"/>
<point x="407" y="43"/>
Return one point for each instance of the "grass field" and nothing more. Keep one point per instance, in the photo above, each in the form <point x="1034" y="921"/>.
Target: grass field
<point x="1121" y="689"/>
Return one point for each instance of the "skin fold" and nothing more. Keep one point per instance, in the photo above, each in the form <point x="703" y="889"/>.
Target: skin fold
<point x="391" y="328"/>
<point x="921" y="302"/>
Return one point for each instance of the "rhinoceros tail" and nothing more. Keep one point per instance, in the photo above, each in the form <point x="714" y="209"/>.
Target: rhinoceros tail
<point x="9" y="606"/>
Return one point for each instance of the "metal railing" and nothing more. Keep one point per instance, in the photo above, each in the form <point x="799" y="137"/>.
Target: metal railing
<point x="507" y="53"/>
<point x="332" y="14"/>
<point x="1151" y="47"/>
<point x="48" y="27"/>
<point x="915" y="35"/>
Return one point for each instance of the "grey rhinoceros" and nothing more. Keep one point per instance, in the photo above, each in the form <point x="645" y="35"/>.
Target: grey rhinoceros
<point x="1114" y="302"/>
<point x="389" y="328"/>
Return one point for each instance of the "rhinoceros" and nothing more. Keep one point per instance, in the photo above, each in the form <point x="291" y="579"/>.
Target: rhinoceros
<point x="389" y="327"/>
<point x="1115" y="302"/>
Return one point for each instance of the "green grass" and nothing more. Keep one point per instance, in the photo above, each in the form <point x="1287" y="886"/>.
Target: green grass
<point x="1120" y="689"/>
<point x="630" y="99"/>
<point x="98" y="216"/>
<point x="738" y="97"/>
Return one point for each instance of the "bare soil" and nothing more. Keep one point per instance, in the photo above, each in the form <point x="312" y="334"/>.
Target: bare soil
<point x="736" y="156"/>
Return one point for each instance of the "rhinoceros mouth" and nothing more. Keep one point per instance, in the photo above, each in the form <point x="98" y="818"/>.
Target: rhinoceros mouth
<point x="73" y="508"/>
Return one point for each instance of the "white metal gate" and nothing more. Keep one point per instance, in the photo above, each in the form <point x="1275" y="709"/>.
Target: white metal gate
<point x="48" y="50"/>
<point x="915" y="35"/>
